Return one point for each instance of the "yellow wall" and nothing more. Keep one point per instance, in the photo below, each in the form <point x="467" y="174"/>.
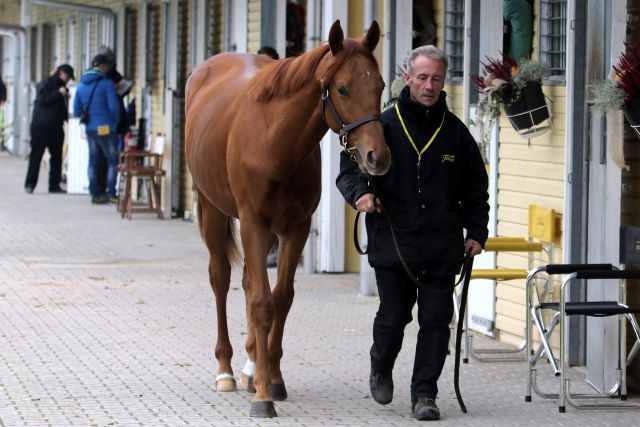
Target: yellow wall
<point x="356" y="19"/>
<point x="253" y="38"/>
<point x="355" y="26"/>
<point x="10" y="12"/>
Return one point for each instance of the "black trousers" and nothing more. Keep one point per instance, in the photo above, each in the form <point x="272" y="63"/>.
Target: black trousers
<point x="398" y="294"/>
<point x="41" y="139"/>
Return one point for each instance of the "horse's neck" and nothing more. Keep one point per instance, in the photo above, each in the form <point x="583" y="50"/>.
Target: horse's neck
<point x="300" y="126"/>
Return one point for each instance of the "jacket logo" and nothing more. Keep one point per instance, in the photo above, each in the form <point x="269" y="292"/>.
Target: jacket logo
<point x="448" y="158"/>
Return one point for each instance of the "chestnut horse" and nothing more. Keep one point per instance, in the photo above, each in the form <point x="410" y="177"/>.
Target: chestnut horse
<point x="253" y="127"/>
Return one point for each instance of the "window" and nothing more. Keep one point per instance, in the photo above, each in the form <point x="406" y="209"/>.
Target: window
<point x="71" y="43"/>
<point x="454" y="37"/>
<point x="130" y="42"/>
<point x="553" y="37"/>
<point x="48" y="50"/>
<point x="33" y="50"/>
<point x="152" y="48"/>
<point x="214" y="24"/>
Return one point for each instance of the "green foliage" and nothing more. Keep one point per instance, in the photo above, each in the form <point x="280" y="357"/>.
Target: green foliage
<point x="607" y="96"/>
<point x="528" y="71"/>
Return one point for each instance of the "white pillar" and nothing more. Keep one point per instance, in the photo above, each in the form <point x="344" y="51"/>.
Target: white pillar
<point x="240" y="25"/>
<point x="331" y="202"/>
<point x="281" y="28"/>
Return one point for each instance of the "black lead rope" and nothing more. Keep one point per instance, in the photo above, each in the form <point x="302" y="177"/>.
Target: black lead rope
<point x="466" y="271"/>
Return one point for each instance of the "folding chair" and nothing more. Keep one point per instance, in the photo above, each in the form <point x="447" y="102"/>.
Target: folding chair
<point x="541" y="228"/>
<point x="562" y="308"/>
<point x="535" y="305"/>
<point x="145" y="166"/>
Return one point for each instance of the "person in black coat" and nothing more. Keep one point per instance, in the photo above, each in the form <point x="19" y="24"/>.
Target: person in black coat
<point x="47" y="131"/>
<point x="435" y="189"/>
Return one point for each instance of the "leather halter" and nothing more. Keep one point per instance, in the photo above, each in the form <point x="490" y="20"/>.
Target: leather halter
<point x="344" y="130"/>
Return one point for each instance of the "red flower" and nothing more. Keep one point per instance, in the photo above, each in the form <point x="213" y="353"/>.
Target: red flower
<point x="628" y="71"/>
<point x="500" y="69"/>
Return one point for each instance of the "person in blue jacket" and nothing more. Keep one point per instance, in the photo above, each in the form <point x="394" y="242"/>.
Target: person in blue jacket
<point x="104" y="113"/>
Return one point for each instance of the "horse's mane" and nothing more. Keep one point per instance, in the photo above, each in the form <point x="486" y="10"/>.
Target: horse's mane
<point x="287" y="76"/>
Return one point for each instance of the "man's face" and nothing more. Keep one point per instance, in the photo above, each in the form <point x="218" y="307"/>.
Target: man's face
<point x="426" y="80"/>
<point x="63" y="76"/>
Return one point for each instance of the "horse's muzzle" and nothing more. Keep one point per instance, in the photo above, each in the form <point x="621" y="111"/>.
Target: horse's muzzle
<point x="376" y="163"/>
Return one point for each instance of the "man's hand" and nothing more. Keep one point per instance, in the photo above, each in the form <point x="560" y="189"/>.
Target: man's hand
<point x="475" y="247"/>
<point x="368" y="204"/>
<point x="63" y="90"/>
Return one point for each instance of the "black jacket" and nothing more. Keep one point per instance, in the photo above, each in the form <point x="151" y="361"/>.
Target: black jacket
<point x="50" y="107"/>
<point x="429" y="210"/>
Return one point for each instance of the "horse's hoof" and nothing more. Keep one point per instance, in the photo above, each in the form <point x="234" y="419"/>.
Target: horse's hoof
<point x="263" y="409"/>
<point x="226" y="382"/>
<point x="247" y="382"/>
<point x="278" y="392"/>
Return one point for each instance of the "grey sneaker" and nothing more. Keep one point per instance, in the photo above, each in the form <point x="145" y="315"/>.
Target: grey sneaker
<point x="425" y="409"/>
<point x="381" y="386"/>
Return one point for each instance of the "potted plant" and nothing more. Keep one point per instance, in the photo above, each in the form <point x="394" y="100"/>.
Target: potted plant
<point x="623" y="91"/>
<point x="515" y="87"/>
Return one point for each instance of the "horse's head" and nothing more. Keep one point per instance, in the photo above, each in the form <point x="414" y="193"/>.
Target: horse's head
<point x="352" y="88"/>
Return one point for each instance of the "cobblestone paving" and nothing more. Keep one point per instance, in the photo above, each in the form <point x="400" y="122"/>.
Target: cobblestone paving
<point x="110" y="322"/>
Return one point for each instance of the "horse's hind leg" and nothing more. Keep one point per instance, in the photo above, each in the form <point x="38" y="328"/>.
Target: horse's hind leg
<point x="288" y="255"/>
<point x="214" y="232"/>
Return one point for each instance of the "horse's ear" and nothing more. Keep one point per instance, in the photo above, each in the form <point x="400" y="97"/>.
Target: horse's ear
<point x="372" y="37"/>
<point x="336" y="37"/>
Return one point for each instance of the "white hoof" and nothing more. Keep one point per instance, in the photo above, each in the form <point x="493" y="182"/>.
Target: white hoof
<point x="226" y="382"/>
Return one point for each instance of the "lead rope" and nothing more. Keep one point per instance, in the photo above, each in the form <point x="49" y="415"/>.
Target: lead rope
<point x="466" y="270"/>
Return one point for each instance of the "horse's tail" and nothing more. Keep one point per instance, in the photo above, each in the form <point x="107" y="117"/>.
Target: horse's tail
<point x="231" y="243"/>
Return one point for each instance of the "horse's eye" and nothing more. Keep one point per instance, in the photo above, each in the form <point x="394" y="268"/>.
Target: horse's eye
<point x="342" y="91"/>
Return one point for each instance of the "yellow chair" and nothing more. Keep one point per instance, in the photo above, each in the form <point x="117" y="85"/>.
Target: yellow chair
<point x="541" y="230"/>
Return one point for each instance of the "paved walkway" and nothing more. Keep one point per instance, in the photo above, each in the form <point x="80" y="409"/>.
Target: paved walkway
<point x="109" y="322"/>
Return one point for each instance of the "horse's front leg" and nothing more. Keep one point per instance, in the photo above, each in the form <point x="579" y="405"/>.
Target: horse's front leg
<point x="288" y="255"/>
<point x="255" y="241"/>
<point x="249" y="370"/>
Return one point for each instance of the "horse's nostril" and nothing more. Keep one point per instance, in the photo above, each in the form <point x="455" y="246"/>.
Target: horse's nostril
<point x="371" y="159"/>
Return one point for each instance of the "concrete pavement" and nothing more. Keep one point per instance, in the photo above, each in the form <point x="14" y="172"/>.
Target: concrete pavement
<point x="110" y="322"/>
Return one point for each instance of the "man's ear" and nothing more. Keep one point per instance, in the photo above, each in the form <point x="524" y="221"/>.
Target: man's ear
<point x="336" y="37"/>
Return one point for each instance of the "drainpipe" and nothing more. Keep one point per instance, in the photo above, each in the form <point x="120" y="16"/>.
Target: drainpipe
<point x="20" y="103"/>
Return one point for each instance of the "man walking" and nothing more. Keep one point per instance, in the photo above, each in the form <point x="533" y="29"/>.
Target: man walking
<point x="436" y="188"/>
<point x="47" y="131"/>
<point x="96" y="96"/>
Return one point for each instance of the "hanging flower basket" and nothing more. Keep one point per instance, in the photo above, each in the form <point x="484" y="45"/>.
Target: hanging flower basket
<point x="632" y="113"/>
<point x="529" y="114"/>
<point x="515" y="87"/>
